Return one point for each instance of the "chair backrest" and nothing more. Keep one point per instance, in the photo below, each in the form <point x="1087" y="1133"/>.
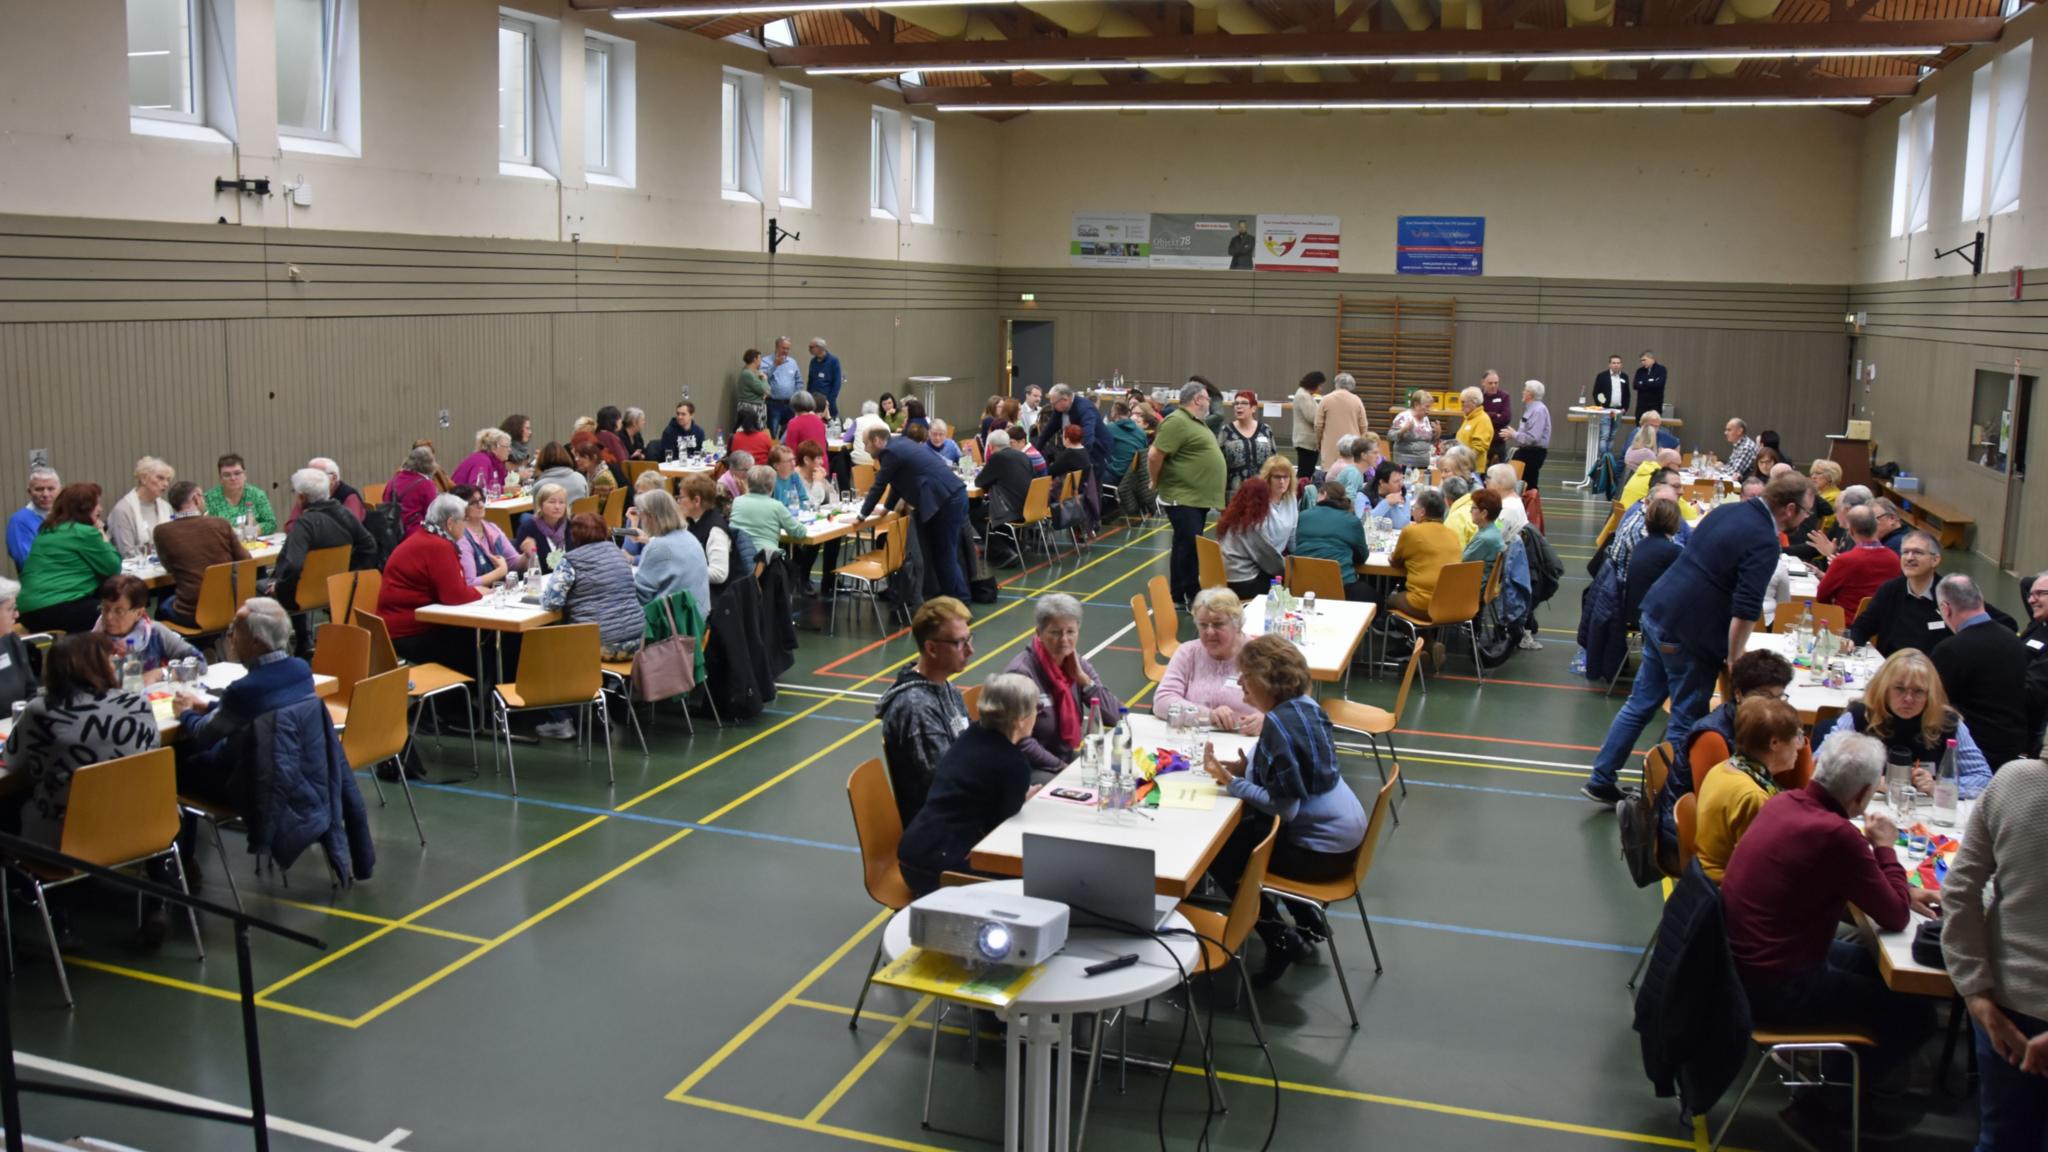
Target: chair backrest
<point x="1070" y="486"/>
<point x="322" y="564"/>
<point x="634" y="469"/>
<point x="1833" y="615"/>
<point x="1688" y="819"/>
<point x="222" y="591"/>
<point x="1518" y="464"/>
<point x="1457" y="593"/>
<point x="587" y="504"/>
<point x="122" y="810"/>
<point x="373" y="495"/>
<point x="1607" y="532"/>
<point x="1370" y="846"/>
<point x="972" y="446"/>
<point x="1408" y="678"/>
<point x="376" y="719"/>
<point x="1209" y="555"/>
<point x="1307" y="574"/>
<point x="1038" y="500"/>
<point x="352" y="592"/>
<point x="500" y="518"/>
<point x="383" y="657"/>
<point x="1142" y="620"/>
<point x="863" y="479"/>
<point x="1495" y="573"/>
<point x="1656" y="768"/>
<point x="896" y="545"/>
<point x="560" y="665"/>
<point x="971" y="699"/>
<point x="878" y="828"/>
<point x="343" y="652"/>
<point x="1862" y="606"/>
<point x="1244" y="907"/>
<point x="615" y="508"/>
<point x="1165" y="617"/>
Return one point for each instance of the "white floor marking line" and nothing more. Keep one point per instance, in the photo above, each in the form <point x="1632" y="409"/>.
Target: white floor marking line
<point x="1114" y="637"/>
<point x="392" y="1140"/>
<point x="1463" y="754"/>
<point x="829" y="691"/>
<point x="173" y="1096"/>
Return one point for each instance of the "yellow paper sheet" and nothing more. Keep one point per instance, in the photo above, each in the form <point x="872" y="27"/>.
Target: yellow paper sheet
<point x="941" y="975"/>
<point x="1188" y="793"/>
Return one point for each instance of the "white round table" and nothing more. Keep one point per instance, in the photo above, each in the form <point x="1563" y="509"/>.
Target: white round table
<point x="1041" y="1018"/>
<point x="929" y="385"/>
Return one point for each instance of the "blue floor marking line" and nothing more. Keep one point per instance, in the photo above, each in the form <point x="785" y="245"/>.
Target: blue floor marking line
<point x="1518" y="937"/>
<point x="588" y="810"/>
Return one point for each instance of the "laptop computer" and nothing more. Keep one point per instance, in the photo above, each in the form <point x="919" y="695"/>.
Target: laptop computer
<point x="1102" y="885"/>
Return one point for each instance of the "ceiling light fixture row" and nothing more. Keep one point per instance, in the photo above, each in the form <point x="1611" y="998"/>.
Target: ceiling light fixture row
<point x="1411" y="105"/>
<point x="1377" y="61"/>
<point x="692" y="10"/>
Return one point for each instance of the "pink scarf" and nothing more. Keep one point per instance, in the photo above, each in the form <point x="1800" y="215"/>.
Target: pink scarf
<point x="1065" y="708"/>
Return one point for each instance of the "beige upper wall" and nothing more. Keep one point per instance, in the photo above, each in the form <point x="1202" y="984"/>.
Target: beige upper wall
<point x="1747" y="196"/>
<point x="429" y="160"/>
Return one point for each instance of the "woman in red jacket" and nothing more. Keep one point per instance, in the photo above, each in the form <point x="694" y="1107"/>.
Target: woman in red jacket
<point x="425" y="570"/>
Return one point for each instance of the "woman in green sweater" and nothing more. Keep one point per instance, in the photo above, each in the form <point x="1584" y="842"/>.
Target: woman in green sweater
<point x="70" y="556"/>
<point x="753" y="387"/>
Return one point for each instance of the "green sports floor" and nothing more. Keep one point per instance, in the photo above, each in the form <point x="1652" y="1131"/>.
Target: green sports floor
<point x="670" y="963"/>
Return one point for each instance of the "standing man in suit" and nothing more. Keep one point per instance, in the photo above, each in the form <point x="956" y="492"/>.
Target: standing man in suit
<point x="921" y="477"/>
<point x="1649" y="386"/>
<point x="1610" y="390"/>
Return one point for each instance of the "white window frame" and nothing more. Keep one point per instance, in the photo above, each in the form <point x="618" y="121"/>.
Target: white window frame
<point x="1902" y="174"/>
<point x="543" y="136"/>
<point x="793" y="124"/>
<point x="343" y="135"/>
<point x="1920" y="203"/>
<point x="524" y="27"/>
<point x="2008" y="127"/>
<point x="620" y="115"/>
<point x="1975" y="147"/>
<point x="740" y="136"/>
<point x="195" y="72"/>
<point x="211" y="38"/>
<point x="924" y="156"/>
<point x="885" y="152"/>
<point x="331" y="12"/>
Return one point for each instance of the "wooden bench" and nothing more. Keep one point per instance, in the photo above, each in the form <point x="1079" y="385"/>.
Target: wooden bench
<point x="1944" y="522"/>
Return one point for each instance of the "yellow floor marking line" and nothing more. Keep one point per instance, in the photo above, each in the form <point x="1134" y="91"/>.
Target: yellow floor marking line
<point x="366" y="918"/>
<point x="202" y="989"/>
<point x="868" y="1060"/>
<point x="855" y="1134"/>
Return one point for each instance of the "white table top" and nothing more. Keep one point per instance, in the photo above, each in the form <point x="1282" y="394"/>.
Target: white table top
<point x="1895" y="949"/>
<point x="513" y="617"/>
<point x="1182" y="840"/>
<point x="1064" y="986"/>
<point x="217" y="678"/>
<point x="520" y="503"/>
<point x="1333" y="633"/>
<point x="1806" y="696"/>
<point x="687" y="468"/>
<point x="263" y="550"/>
<point x="1805" y="587"/>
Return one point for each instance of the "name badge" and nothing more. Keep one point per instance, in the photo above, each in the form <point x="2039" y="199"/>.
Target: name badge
<point x="1935" y="625"/>
<point x="2034" y="644"/>
<point x="7" y="661"/>
<point x="959" y="725"/>
<point x="1230" y="682"/>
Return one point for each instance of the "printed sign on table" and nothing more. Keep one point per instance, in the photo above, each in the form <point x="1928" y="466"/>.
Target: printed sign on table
<point x="1440" y="246"/>
<point x="1298" y="243"/>
<point x="1217" y="240"/>
<point x="1111" y="240"/>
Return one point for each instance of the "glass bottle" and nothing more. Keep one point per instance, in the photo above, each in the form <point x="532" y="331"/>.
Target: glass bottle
<point x="1945" y="785"/>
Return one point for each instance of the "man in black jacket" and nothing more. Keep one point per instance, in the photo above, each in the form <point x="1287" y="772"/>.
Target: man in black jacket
<point x="1902" y="612"/>
<point x="321" y="523"/>
<point x="1980" y="667"/>
<point x="2036" y="640"/>
<point x="683" y="436"/>
<point x="1649" y="385"/>
<point x="1004" y="479"/>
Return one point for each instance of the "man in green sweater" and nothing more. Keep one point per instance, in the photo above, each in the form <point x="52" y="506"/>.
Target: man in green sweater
<point x="1186" y="468"/>
<point x="233" y="497"/>
<point x="1331" y="531"/>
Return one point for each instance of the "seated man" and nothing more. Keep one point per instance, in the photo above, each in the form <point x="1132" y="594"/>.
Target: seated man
<point x="1902" y="612"/>
<point x="1891" y="527"/>
<point x="1005" y="479"/>
<point x="234" y="497"/>
<point x="43" y="486"/>
<point x="350" y="500"/>
<point x="188" y="544"/>
<point x="922" y="712"/>
<point x="941" y="440"/>
<point x="261" y="639"/>
<point x="1742" y="449"/>
<point x="1329" y="531"/>
<point x="1861" y="569"/>
<point x="1768" y="742"/>
<point x="1788" y="883"/>
<point x="1634" y="525"/>
<point x="1638" y="486"/>
<point x="319" y="521"/>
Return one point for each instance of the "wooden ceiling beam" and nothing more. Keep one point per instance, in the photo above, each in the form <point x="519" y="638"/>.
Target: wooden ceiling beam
<point x="1741" y="88"/>
<point x="1857" y="34"/>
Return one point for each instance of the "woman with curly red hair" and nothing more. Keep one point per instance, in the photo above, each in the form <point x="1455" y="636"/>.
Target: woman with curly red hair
<point x="1250" y="561"/>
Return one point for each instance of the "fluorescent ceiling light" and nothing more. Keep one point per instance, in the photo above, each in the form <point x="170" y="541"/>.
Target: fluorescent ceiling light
<point x="152" y="52"/>
<point x="802" y="6"/>
<point x="1381" y="61"/>
<point x="1410" y="105"/>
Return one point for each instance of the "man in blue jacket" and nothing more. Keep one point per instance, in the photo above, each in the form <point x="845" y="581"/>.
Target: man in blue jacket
<point x="825" y="376"/>
<point x="1064" y="406"/>
<point x="917" y="474"/>
<point x="260" y="639"/>
<point x="1697" y="618"/>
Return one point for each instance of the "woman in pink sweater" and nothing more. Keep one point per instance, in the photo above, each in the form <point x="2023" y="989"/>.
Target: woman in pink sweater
<point x="1204" y="674"/>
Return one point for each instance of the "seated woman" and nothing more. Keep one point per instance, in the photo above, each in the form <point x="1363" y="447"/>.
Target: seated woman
<point x="750" y="437"/>
<point x="546" y="533"/>
<point x="1069" y="456"/>
<point x="1657" y="551"/>
<point x="67" y="561"/>
<point x="1291" y="777"/>
<point x="1827" y="486"/>
<point x="806" y="427"/>
<point x="890" y="413"/>
<point x="732" y="477"/>
<point x="727" y="553"/>
<point x="424" y="570"/>
<point x="1250" y="562"/>
<point x="1278" y="473"/>
<point x="1906" y="708"/>
<point x="1486" y="545"/>
<point x="761" y="516"/>
<point x="412" y="488"/>
<point x="124" y="619"/>
<point x="870" y="417"/>
<point x="1642" y="446"/>
<point x="132" y="522"/>
<point x="594" y="464"/>
<point x="914" y="415"/>
<point x="1767" y="744"/>
<point x="1068" y="685"/>
<point x="518" y="429"/>
<point x="487" y="556"/>
<point x="485" y="467"/>
<point x="818" y="491"/>
<point x="558" y="467"/>
<point x="671" y="560"/>
<point x="1204" y="675"/>
<point x="84" y="717"/>
<point x="1514" y="515"/>
<point x="17" y="674"/>
<point x="594" y="585"/>
<point x="1386" y="495"/>
<point x="1425" y="546"/>
<point x="1760" y="673"/>
<point x="1022" y="443"/>
<point x="981" y="781"/>
<point x="1347" y="468"/>
<point x="1332" y="531"/>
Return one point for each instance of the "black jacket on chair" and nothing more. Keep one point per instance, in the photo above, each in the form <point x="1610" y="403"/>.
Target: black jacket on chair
<point x="1691" y="1014"/>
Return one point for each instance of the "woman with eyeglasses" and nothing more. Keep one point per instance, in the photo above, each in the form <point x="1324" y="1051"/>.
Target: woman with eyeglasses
<point x="487" y="556"/>
<point x="1203" y="676"/>
<point x="1906" y="708"/>
<point x="1069" y="687"/>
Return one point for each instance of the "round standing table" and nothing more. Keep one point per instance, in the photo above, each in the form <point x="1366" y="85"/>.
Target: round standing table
<point x="929" y="386"/>
<point x="1041" y="1018"/>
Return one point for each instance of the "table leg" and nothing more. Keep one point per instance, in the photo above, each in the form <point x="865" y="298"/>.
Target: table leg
<point x="1013" y="1081"/>
<point x="1038" y="1039"/>
<point x="1064" y="1087"/>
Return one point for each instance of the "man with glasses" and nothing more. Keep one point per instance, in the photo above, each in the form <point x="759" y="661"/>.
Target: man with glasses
<point x="1902" y="613"/>
<point x="233" y="497"/>
<point x="2036" y="640"/>
<point x="1891" y="527"/>
<point x="922" y="712"/>
<point x="1698" y="617"/>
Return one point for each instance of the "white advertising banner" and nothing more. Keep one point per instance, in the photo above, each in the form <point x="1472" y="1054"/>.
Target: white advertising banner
<point x="1111" y="240"/>
<point x="1298" y="243"/>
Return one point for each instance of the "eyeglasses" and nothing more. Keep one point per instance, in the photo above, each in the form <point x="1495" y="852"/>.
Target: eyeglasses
<point x="962" y="643"/>
<point x="1920" y="552"/>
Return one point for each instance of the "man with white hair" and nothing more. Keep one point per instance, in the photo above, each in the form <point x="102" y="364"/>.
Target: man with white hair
<point x="1788" y="882"/>
<point x="1531" y="440"/>
<point x="260" y="639"/>
<point x="350" y="500"/>
<point x="43" y="485"/>
<point x="1005" y="479"/>
<point x="939" y="438"/>
<point x="870" y="418"/>
<point x="1064" y="406"/>
<point x="319" y="522"/>
<point x="1340" y="414"/>
<point x="1983" y="668"/>
<point x="825" y="376"/>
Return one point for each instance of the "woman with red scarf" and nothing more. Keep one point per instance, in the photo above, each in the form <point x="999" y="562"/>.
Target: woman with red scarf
<point x="1068" y="688"/>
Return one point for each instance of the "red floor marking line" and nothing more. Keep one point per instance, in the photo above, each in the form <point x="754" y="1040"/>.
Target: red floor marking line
<point x="1496" y="739"/>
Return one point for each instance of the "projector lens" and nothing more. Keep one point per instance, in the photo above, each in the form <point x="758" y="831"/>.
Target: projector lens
<point x="994" y="941"/>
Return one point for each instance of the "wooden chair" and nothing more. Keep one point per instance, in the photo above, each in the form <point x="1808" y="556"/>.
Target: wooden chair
<point x="1833" y="615"/>
<point x="1165" y="617"/>
<point x="121" y="813"/>
<point x="376" y="732"/>
<point x="501" y="518"/>
<point x="322" y="564"/>
<point x="871" y="570"/>
<point x="1519" y="465"/>
<point x="1036" y="514"/>
<point x="373" y="495"/>
<point x="971" y="699"/>
<point x="863" y="479"/>
<point x="1862" y="606"/>
<point x="1656" y="768"/>
<point x="1324" y="893"/>
<point x="1607" y="532"/>
<point x="1155" y="668"/>
<point x="1377" y="723"/>
<point x="343" y="652"/>
<point x="423" y="681"/>
<point x="1455" y="605"/>
<point x="1209" y="557"/>
<point x="637" y="468"/>
<point x="1223" y="936"/>
<point x="878" y="828"/>
<point x="1325" y="578"/>
<point x="587" y="504"/>
<point x="558" y="668"/>
<point x="222" y="592"/>
<point x="351" y="592"/>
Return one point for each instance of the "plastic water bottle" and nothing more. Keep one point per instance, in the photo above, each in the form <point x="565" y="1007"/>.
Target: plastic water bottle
<point x="1945" y="787"/>
<point x="1802" y="632"/>
<point x="1273" y="594"/>
<point x="131" y="672"/>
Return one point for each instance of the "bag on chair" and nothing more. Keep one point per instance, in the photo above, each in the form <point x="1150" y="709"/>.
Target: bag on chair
<point x="666" y="668"/>
<point x="1636" y="817"/>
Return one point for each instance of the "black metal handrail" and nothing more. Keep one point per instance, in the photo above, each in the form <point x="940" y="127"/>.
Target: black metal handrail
<point x="14" y="851"/>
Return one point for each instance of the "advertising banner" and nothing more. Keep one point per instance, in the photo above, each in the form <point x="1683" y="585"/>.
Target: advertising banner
<point x="1111" y="240"/>
<point x="1297" y="243"/>
<point x="1440" y="245"/>
<point x="1218" y="240"/>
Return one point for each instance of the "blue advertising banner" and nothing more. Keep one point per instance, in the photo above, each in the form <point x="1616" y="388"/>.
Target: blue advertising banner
<point x="1440" y="246"/>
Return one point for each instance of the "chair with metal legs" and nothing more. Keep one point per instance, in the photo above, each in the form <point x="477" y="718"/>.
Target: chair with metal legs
<point x="1375" y="723"/>
<point x="878" y="827"/>
<point x="376" y="734"/>
<point x="1325" y="893"/>
<point x="559" y="667"/>
<point x="1223" y="938"/>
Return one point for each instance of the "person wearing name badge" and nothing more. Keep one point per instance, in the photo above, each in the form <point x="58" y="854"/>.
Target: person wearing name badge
<point x="922" y="713"/>
<point x="1610" y="391"/>
<point x="1203" y="676"/>
<point x="982" y="780"/>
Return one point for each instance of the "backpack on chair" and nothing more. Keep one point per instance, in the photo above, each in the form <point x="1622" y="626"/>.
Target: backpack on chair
<point x="1636" y="817"/>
